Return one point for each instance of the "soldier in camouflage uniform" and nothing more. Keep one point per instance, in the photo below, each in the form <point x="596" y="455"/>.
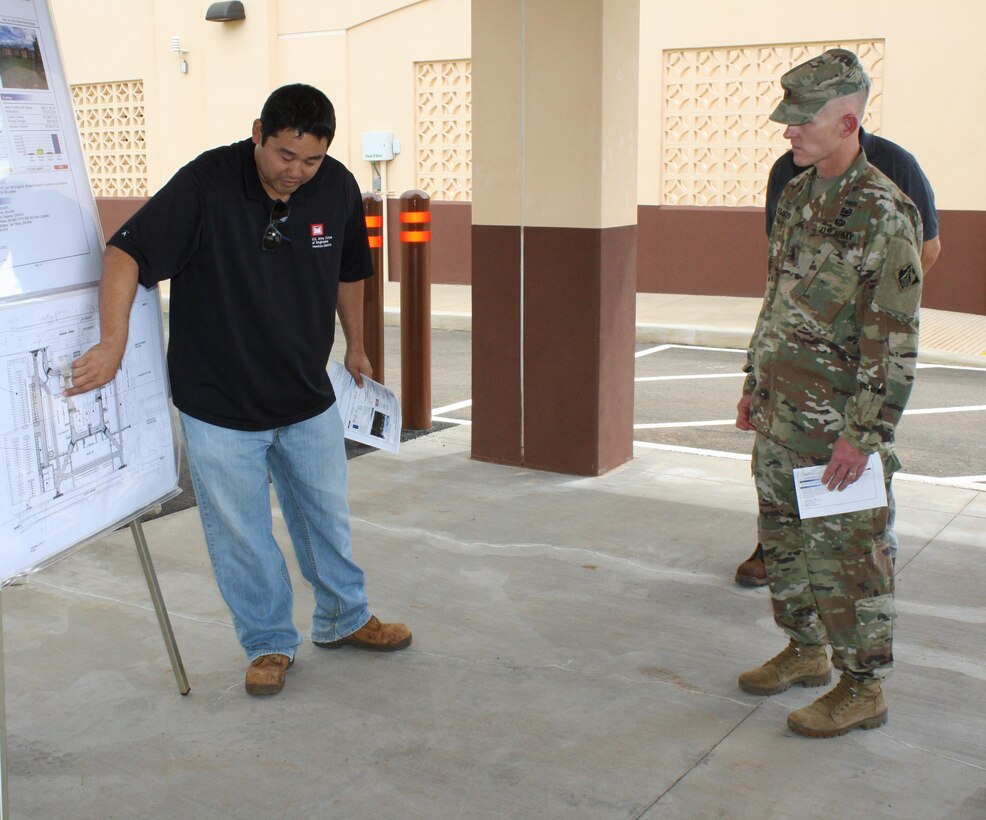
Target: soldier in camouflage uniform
<point x="829" y="370"/>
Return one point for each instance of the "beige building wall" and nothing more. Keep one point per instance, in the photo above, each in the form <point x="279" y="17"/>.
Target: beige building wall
<point x="930" y="64"/>
<point x="364" y="54"/>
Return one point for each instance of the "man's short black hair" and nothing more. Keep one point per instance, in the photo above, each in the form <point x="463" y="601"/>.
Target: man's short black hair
<point x="302" y="108"/>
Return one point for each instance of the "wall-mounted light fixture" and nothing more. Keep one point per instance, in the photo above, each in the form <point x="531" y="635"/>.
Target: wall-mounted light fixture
<point x="225" y="12"/>
<point x="176" y="47"/>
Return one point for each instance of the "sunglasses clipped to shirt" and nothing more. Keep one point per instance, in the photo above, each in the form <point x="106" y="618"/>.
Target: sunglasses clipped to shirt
<point x="273" y="238"/>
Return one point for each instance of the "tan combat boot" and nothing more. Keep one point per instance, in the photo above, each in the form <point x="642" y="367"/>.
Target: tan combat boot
<point x="798" y="663"/>
<point x="850" y="705"/>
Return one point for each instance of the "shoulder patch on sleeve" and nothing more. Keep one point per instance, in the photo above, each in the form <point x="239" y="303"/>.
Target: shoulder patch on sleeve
<point x="899" y="289"/>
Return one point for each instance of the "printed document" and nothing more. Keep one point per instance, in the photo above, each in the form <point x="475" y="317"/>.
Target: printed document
<point x="816" y="500"/>
<point x="371" y="414"/>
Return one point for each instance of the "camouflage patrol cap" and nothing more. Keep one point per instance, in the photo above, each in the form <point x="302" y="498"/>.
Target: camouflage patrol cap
<point x="809" y="86"/>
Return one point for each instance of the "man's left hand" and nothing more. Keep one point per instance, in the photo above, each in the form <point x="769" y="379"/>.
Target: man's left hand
<point x="845" y="467"/>
<point x="358" y="365"/>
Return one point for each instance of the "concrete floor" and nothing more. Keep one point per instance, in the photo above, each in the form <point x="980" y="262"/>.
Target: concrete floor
<point x="576" y="647"/>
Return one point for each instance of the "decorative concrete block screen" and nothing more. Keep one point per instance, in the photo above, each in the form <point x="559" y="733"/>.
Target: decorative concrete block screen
<point x="443" y="95"/>
<point x="111" y="122"/>
<point x="718" y="143"/>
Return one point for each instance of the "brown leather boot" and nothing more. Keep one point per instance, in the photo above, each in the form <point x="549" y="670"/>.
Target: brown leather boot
<point x="852" y="704"/>
<point x="374" y="635"/>
<point x="797" y="663"/>
<point x="752" y="572"/>
<point x="265" y="675"/>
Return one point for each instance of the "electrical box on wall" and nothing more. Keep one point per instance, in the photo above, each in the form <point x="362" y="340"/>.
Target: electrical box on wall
<point x="379" y="146"/>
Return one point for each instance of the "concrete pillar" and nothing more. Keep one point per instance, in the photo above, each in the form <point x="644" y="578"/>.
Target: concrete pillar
<point x="554" y="232"/>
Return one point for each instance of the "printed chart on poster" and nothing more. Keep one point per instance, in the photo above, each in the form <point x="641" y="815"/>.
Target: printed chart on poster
<point x="77" y="464"/>
<point x="49" y="230"/>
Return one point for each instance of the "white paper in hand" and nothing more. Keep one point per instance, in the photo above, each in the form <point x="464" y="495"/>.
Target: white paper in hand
<point x="371" y="414"/>
<point x="816" y="500"/>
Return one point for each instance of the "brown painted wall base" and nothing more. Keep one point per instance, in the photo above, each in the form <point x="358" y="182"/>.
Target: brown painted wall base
<point x="958" y="279"/>
<point x="723" y="252"/>
<point x="451" y="249"/>
<point x="575" y="413"/>
<point x="496" y="335"/>
<point x="115" y="210"/>
<point x="705" y="251"/>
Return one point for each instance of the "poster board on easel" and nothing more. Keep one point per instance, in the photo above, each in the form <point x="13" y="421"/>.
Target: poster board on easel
<point x="76" y="467"/>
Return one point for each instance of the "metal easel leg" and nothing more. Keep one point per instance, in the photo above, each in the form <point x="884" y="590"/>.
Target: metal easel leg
<point x="162" y="612"/>
<point x="4" y="792"/>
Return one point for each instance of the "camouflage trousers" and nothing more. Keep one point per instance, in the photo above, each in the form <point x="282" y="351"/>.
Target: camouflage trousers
<point x="831" y="578"/>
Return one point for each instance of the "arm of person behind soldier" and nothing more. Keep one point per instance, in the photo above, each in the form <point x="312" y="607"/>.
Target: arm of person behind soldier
<point x="773" y="192"/>
<point x="743" y="412"/>
<point x="117" y="289"/>
<point x="749" y="367"/>
<point x="911" y="179"/>
<point x="929" y="253"/>
<point x="350" y="309"/>
<point x="887" y="312"/>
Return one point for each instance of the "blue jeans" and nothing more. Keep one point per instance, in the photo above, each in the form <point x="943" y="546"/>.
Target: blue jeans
<point x="307" y="463"/>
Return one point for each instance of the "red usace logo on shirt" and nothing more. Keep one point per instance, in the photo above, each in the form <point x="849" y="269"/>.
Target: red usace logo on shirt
<point x="320" y="239"/>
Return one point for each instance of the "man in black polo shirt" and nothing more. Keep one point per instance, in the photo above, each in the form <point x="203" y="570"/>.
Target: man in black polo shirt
<point x="264" y="241"/>
<point x="906" y="173"/>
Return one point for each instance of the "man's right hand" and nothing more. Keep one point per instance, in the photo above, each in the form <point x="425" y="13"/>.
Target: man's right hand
<point x="117" y="288"/>
<point x="94" y="368"/>
<point x="743" y="413"/>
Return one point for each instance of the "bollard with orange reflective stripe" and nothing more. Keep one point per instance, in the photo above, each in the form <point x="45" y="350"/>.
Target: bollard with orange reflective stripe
<point x="416" y="226"/>
<point x="415" y="310"/>
<point x="373" y="287"/>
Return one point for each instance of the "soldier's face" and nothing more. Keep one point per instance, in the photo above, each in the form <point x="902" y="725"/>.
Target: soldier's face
<point x="815" y="141"/>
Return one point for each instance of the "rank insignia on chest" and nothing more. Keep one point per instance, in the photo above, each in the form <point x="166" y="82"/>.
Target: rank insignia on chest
<point x="907" y="277"/>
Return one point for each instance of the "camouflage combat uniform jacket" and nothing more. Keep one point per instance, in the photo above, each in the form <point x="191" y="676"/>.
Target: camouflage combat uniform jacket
<point x="835" y="346"/>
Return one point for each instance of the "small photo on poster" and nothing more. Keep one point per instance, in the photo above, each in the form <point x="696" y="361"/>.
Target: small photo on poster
<point x="21" y="65"/>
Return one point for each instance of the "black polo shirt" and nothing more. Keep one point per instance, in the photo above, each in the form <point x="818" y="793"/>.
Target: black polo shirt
<point x="251" y="330"/>
<point x="898" y="164"/>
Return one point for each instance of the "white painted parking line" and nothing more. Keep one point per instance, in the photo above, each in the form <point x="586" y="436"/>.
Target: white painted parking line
<point x="699" y="376"/>
<point x="650" y="350"/>
<point x="961" y="482"/>
<point x="465" y="422"/>
<point x="674" y="448"/>
<point x="970" y="482"/>
<point x="929" y="365"/>
<point x="661" y="348"/>
<point x="448" y="408"/>
<point x="977" y="483"/>
<point x="724" y="422"/>
<point x="662" y="424"/>
<point x="713" y="349"/>
<point x="967" y="408"/>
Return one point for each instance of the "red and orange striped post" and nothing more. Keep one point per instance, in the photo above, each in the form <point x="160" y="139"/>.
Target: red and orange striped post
<point x="373" y="287"/>
<point x="415" y="310"/>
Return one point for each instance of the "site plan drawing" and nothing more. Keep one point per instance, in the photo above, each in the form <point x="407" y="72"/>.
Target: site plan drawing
<point x="76" y="466"/>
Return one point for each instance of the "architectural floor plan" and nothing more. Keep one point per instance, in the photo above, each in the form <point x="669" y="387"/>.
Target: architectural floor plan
<point x="75" y="466"/>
